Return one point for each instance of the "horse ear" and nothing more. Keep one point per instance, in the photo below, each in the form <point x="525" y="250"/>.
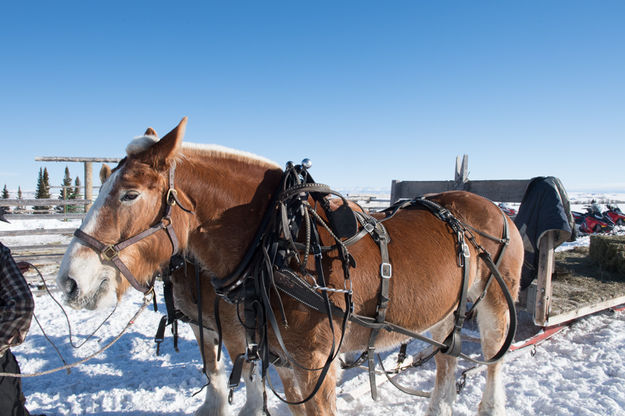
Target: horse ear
<point x="163" y="151"/>
<point x="150" y="132"/>
<point x="105" y="172"/>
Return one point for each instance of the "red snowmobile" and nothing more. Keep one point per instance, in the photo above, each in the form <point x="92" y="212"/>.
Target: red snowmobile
<point x="511" y="212"/>
<point x="615" y="214"/>
<point x="592" y="221"/>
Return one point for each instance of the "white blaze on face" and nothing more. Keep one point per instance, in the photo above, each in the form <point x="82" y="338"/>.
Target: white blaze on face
<point x="96" y="281"/>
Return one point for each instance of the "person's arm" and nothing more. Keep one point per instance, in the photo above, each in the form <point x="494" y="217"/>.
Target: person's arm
<point x="16" y="302"/>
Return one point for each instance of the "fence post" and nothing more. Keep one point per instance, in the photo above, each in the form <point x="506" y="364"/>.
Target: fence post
<point x="461" y="176"/>
<point x="88" y="184"/>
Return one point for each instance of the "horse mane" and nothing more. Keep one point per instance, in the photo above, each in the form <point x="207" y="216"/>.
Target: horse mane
<point x="141" y="143"/>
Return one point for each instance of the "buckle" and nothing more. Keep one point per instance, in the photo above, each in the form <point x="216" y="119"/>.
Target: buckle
<point x="465" y="250"/>
<point x="369" y="227"/>
<point x="109" y="252"/>
<point x="252" y="353"/>
<point x="386" y="270"/>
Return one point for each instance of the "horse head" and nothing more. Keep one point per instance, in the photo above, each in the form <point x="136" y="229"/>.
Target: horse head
<point x="135" y="196"/>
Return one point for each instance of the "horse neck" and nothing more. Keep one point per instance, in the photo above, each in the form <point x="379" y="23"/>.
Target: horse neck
<point x="230" y="199"/>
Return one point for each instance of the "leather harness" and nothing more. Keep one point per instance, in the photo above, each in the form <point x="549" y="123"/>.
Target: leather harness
<point x="110" y="252"/>
<point x="265" y="269"/>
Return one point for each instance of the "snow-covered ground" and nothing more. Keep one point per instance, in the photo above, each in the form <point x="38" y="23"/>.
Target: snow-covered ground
<point x="580" y="371"/>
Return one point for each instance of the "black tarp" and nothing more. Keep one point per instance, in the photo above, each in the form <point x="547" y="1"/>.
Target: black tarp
<point x="545" y="207"/>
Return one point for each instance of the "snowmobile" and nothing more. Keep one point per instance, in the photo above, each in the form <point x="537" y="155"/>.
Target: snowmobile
<point x="511" y="212"/>
<point x="615" y="214"/>
<point x="592" y="221"/>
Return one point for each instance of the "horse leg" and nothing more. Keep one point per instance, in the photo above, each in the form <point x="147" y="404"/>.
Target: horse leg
<point x="216" y="401"/>
<point x="291" y="390"/>
<point x="444" y="393"/>
<point x="324" y="401"/>
<point x="253" y="390"/>
<point x="493" y="322"/>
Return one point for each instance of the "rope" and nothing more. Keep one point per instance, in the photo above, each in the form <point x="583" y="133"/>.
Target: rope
<point x="69" y="325"/>
<point x="146" y="302"/>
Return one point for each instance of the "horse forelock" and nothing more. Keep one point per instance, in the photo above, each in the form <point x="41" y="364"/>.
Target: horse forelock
<point x="139" y="144"/>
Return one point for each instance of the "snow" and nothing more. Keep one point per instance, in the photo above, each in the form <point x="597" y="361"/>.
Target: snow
<point x="579" y="371"/>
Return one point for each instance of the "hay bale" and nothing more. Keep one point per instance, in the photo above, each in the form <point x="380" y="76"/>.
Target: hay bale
<point x="609" y="252"/>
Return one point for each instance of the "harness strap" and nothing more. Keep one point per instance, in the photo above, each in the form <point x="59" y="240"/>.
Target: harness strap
<point x="386" y="273"/>
<point x="111" y="252"/>
<point x="504" y="241"/>
<point x="198" y="287"/>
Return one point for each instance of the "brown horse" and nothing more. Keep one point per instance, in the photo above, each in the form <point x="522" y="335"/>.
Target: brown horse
<point x="223" y="195"/>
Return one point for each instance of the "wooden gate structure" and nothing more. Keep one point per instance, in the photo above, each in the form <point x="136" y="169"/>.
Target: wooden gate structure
<point x="538" y="298"/>
<point x="88" y="170"/>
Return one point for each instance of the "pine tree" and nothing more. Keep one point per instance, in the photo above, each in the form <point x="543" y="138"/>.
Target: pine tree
<point x="5" y="195"/>
<point x="76" y="192"/>
<point x="19" y="208"/>
<point x="46" y="184"/>
<point x="43" y="189"/>
<point x="66" y="192"/>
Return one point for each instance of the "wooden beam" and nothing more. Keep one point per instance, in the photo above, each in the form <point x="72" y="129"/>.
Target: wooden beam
<point x="543" y="278"/>
<point x="37" y="231"/>
<point x="88" y="183"/>
<point x="41" y="202"/>
<point x="584" y="310"/>
<point x="46" y="216"/>
<point x="505" y="190"/>
<point x="77" y="159"/>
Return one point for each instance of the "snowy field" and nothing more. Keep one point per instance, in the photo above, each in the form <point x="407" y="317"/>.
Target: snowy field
<point x="580" y="371"/>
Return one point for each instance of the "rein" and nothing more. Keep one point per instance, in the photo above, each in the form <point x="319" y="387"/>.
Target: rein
<point x="146" y="302"/>
<point x="110" y="252"/>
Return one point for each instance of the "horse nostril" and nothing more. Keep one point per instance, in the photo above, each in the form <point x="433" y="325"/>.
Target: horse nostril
<point x="71" y="288"/>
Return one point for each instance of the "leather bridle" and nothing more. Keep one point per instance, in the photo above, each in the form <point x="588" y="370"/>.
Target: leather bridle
<point x="110" y="252"/>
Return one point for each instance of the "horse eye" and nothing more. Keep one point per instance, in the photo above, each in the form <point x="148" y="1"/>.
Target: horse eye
<point x="129" y="196"/>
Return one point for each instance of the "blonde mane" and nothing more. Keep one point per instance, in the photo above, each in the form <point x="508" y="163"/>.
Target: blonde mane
<point x="141" y="143"/>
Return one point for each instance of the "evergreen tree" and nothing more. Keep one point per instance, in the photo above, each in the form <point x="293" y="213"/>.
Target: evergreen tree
<point x="75" y="194"/>
<point x="19" y="208"/>
<point x="43" y="188"/>
<point x="66" y="192"/>
<point x="46" y="184"/>
<point x="5" y="195"/>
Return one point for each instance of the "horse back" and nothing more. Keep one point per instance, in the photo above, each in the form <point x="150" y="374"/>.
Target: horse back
<point x="423" y="251"/>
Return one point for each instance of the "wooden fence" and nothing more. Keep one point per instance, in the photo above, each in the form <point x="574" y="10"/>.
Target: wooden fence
<point x="28" y="208"/>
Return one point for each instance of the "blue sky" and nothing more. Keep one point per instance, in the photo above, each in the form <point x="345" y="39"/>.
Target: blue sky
<point x="371" y="91"/>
